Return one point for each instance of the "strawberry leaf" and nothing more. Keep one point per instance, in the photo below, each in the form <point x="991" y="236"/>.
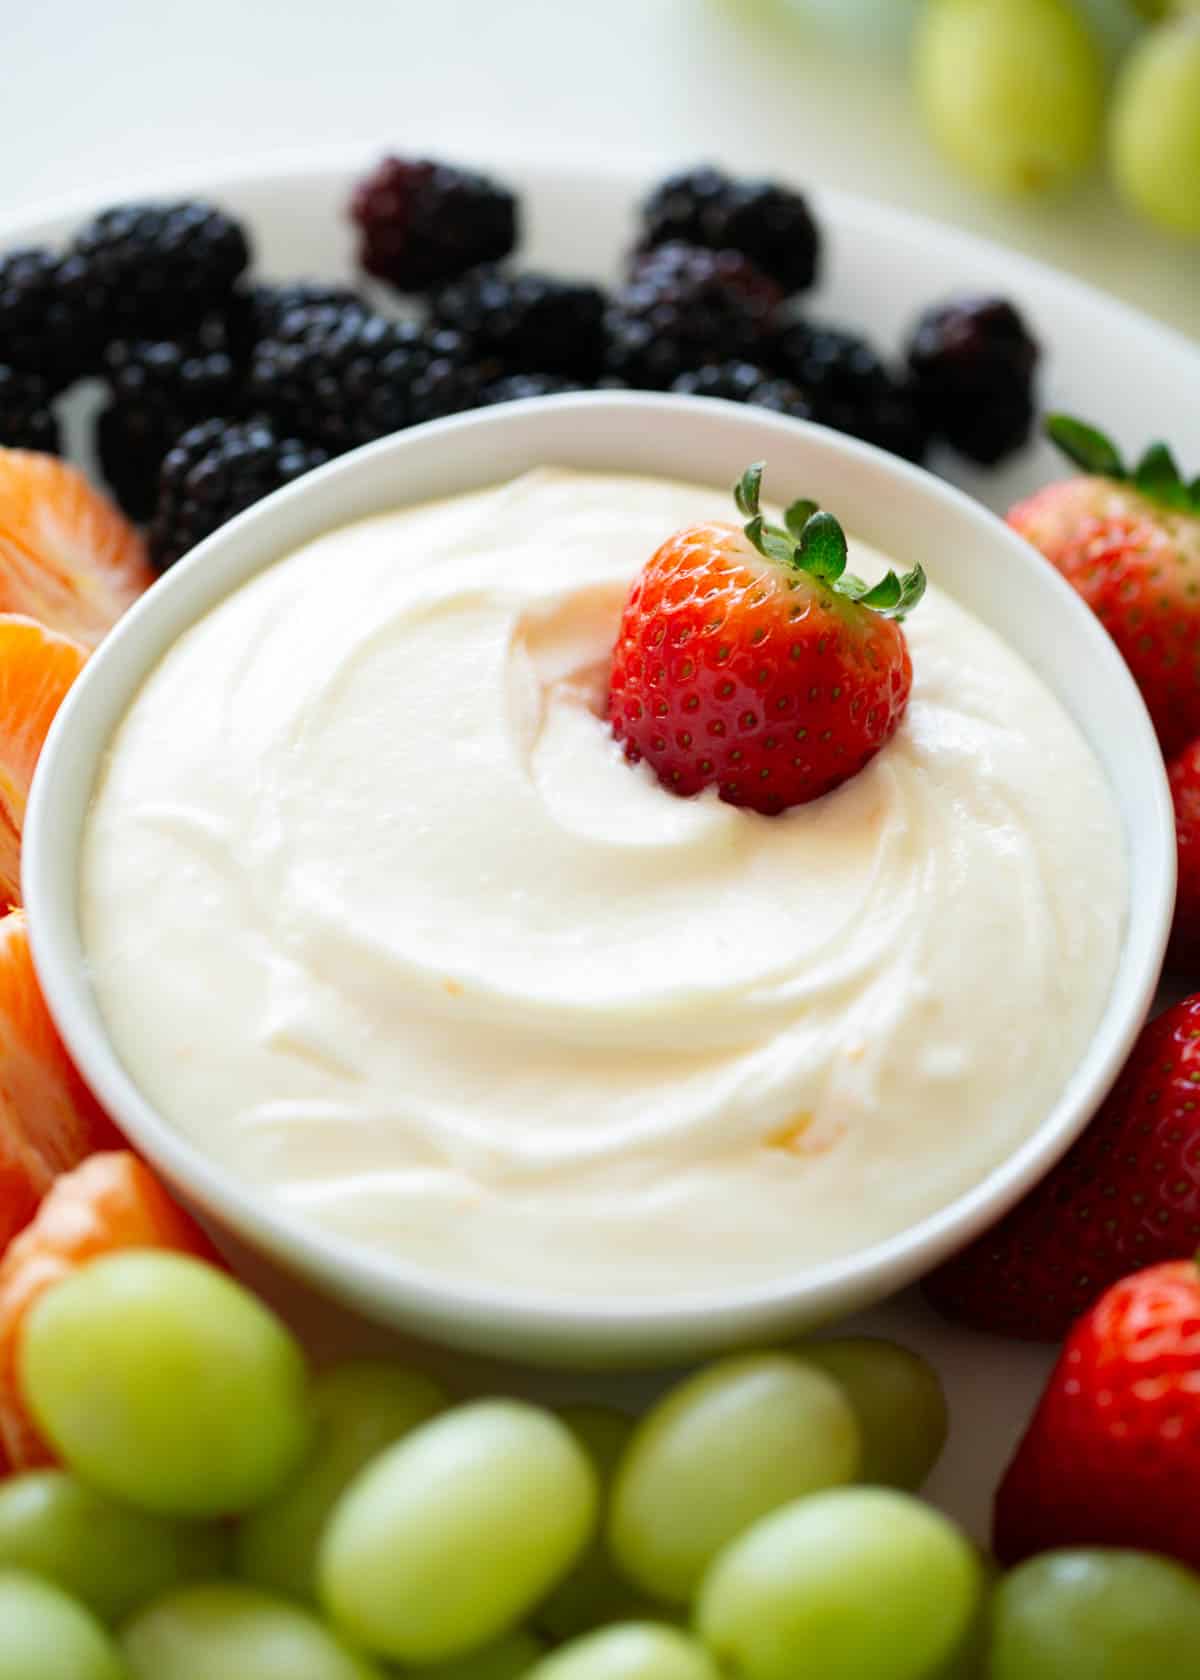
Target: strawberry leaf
<point x="798" y="516"/>
<point x="771" y="541"/>
<point x="891" y="597"/>
<point x="1085" y="446"/>
<point x="1157" y="476"/>
<point x="747" y="490"/>
<point x="779" y="545"/>
<point x="822" y="549"/>
<point x="815" y="543"/>
<point x="912" y="588"/>
<point x="881" y="596"/>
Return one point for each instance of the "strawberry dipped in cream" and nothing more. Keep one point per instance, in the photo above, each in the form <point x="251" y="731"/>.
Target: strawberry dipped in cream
<point x="382" y="917"/>
<point x="751" y="661"/>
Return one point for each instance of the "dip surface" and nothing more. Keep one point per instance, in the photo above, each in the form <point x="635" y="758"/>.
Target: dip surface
<point x="378" y="916"/>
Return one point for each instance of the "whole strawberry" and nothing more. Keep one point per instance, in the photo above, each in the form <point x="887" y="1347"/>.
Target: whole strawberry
<point x="750" y="661"/>
<point x="1126" y="1194"/>
<point x="1112" y="1455"/>
<point x="1129" y="542"/>
<point x="1183" y="773"/>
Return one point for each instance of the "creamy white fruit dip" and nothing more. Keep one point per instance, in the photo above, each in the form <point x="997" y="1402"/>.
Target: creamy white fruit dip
<point x="380" y="918"/>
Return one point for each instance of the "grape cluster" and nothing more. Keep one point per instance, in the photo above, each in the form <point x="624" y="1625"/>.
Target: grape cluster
<point x="1016" y="93"/>
<point x="377" y="1523"/>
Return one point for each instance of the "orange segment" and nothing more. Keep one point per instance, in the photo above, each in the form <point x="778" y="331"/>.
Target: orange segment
<point x="68" y="556"/>
<point x="49" y="1120"/>
<point x="112" y="1201"/>
<point x="37" y="667"/>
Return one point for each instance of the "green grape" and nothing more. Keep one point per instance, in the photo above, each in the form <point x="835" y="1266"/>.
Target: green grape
<point x="1154" y="132"/>
<point x="968" y="1660"/>
<point x="166" y="1384"/>
<point x="450" y="1537"/>
<point x="716" y="1453"/>
<point x="898" y="1401"/>
<point x="630" y="1651"/>
<point x="1096" y="1615"/>
<point x="594" y="1592"/>
<point x="1012" y="90"/>
<point x="509" y="1658"/>
<point x="360" y="1409"/>
<point x="853" y="1583"/>
<point x="226" y="1631"/>
<point x="108" y="1556"/>
<point x="44" y="1635"/>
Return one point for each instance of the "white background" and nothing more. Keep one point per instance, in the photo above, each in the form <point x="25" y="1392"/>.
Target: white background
<point x="95" y="93"/>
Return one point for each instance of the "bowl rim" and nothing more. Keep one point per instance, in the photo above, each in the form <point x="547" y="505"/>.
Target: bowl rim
<point x="467" y="1312"/>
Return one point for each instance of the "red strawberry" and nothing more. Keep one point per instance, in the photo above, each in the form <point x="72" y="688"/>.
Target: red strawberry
<point x="1125" y="1195"/>
<point x="1112" y="1455"/>
<point x="1184" y="774"/>
<point x="1130" y="544"/>
<point x="748" y="659"/>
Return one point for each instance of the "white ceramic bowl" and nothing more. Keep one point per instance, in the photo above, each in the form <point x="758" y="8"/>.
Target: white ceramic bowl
<point x="899" y="508"/>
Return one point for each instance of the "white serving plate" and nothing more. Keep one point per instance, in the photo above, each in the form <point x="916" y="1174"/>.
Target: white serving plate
<point x="1103" y="360"/>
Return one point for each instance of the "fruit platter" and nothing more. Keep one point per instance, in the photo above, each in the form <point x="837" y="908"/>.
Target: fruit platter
<point x="591" y="877"/>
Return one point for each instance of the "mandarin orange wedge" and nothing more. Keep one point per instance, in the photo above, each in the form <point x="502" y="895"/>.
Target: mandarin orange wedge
<point x="68" y="556"/>
<point x="49" y="1120"/>
<point x="111" y="1201"/>
<point x="37" y="667"/>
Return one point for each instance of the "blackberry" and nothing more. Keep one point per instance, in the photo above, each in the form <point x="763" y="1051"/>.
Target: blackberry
<point x="214" y="471"/>
<point x="892" y="421"/>
<point x="684" y="307"/>
<point x="527" y="322"/>
<point x="160" y="388"/>
<point x="47" y="315"/>
<point x="768" y="223"/>
<point x="513" y="387"/>
<point x="27" y="419"/>
<point x="190" y="372"/>
<point x="257" y="311"/>
<point x="341" y="377"/>
<point x="423" y="223"/>
<point x="158" y="268"/>
<point x="745" y="382"/>
<point x="973" y="362"/>
<point x="850" y="387"/>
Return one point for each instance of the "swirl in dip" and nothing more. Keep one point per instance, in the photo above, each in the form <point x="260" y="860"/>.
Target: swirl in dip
<point x="379" y="917"/>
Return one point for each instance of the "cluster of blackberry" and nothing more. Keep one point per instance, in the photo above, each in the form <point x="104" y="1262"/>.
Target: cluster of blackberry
<point x="148" y="299"/>
<point x="219" y="390"/>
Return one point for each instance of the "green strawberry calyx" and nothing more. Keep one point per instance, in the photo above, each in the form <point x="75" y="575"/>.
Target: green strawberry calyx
<point x="814" y="542"/>
<point x="1156" y="474"/>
